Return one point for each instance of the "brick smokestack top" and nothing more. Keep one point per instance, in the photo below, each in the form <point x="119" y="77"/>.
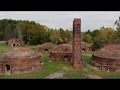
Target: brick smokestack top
<point x="77" y="54"/>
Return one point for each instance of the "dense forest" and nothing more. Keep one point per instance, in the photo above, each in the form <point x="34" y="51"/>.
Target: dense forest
<point x="34" y="33"/>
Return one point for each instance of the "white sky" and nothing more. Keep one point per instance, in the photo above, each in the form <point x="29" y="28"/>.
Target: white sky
<point x="63" y="19"/>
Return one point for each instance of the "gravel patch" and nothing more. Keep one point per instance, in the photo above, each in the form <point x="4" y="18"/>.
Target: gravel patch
<point x="55" y="75"/>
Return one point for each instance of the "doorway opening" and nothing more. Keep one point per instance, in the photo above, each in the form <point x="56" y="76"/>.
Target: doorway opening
<point x="46" y="50"/>
<point x="13" y="44"/>
<point x="7" y="69"/>
<point x="66" y="58"/>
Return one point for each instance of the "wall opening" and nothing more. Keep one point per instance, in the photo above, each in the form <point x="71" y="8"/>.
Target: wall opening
<point x="66" y="58"/>
<point x="7" y="69"/>
<point x="104" y="67"/>
<point x="83" y="49"/>
<point x="46" y="49"/>
<point x="13" y="44"/>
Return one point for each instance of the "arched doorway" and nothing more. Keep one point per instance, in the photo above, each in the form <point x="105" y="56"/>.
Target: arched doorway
<point x="14" y="45"/>
<point x="104" y="67"/>
<point x="66" y="58"/>
<point x="46" y="50"/>
<point x="83" y="49"/>
<point x="7" y="69"/>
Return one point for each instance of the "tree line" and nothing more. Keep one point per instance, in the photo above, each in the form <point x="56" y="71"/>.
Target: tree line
<point x="97" y="38"/>
<point x="32" y="32"/>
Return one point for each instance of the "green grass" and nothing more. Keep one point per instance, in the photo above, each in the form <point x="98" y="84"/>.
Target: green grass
<point x="47" y="69"/>
<point x="4" y="48"/>
<point x="50" y="67"/>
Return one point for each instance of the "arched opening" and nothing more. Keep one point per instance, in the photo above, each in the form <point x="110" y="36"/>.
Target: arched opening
<point x="13" y="44"/>
<point x="83" y="49"/>
<point x="7" y="69"/>
<point x="104" y="67"/>
<point x="46" y="50"/>
<point x="66" y="58"/>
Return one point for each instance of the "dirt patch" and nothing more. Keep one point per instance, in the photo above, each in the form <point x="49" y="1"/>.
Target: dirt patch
<point x="55" y="75"/>
<point x="91" y="76"/>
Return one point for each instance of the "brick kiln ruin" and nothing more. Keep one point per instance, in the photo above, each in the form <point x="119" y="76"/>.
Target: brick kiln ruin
<point x="47" y="47"/>
<point x="86" y="47"/>
<point x="62" y="52"/>
<point x="20" y="60"/>
<point x="72" y="53"/>
<point x="13" y="42"/>
<point x="107" y="58"/>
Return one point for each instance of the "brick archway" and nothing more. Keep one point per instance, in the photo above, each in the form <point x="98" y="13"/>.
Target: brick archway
<point x="7" y="69"/>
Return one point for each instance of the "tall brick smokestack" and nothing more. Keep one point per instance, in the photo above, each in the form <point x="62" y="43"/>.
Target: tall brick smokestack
<point x="77" y="54"/>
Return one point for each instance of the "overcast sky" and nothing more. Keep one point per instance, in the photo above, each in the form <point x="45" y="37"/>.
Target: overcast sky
<point x="63" y="19"/>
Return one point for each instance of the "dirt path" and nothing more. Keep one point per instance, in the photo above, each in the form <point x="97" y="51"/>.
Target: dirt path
<point x="55" y="75"/>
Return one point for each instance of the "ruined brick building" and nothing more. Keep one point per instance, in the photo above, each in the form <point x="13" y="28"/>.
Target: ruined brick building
<point x="107" y="58"/>
<point x="20" y="60"/>
<point x="86" y="47"/>
<point x="47" y="47"/>
<point x="62" y="52"/>
<point x="14" y="42"/>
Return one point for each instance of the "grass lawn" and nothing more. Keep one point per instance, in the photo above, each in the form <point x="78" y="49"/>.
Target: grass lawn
<point x="50" y="67"/>
<point x="4" y="48"/>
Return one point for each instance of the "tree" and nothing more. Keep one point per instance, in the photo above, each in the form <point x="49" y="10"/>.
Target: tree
<point x="87" y="38"/>
<point x="68" y="36"/>
<point x="88" y="32"/>
<point x="96" y="45"/>
<point x="55" y="37"/>
<point x="106" y="35"/>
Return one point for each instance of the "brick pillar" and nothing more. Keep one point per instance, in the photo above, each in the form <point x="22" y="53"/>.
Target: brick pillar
<point x="77" y="53"/>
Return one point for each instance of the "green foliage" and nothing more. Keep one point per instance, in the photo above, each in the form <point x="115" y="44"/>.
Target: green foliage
<point x="55" y="37"/>
<point x="87" y="38"/>
<point x="105" y="35"/>
<point x="32" y="33"/>
<point x="96" y="45"/>
<point x="4" y="48"/>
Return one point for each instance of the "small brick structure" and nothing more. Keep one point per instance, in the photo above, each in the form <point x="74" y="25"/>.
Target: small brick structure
<point x="14" y="42"/>
<point x="47" y="47"/>
<point x="86" y="47"/>
<point x="107" y="58"/>
<point x="61" y="52"/>
<point x="20" y="60"/>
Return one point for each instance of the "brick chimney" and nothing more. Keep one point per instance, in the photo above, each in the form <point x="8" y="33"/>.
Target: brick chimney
<point x="77" y="53"/>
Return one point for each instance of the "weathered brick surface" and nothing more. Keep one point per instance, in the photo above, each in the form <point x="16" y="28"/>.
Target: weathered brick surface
<point x="21" y="66"/>
<point x="47" y="47"/>
<point x="62" y="53"/>
<point x="107" y="58"/>
<point x="110" y="64"/>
